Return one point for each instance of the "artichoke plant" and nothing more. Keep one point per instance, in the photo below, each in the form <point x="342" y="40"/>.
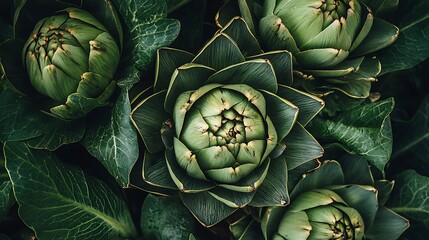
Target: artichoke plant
<point x="348" y="204"/>
<point x="220" y="128"/>
<point x="61" y="62"/>
<point x="71" y="58"/>
<point x="332" y="41"/>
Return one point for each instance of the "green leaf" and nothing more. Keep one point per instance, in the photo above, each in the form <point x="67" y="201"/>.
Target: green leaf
<point x="148" y="117"/>
<point x="301" y="147"/>
<point x="246" y="228"/>
<point x="360" y="197"/>
<point x="155" y="171"/>
<point x="191" y="16"/>
<point x="412" y="138"/>
<point x="387" y="225"/>
<point x="168" y="60"/>
<point x="239" y="31"/>
<point x="24" y="121"/>
<point x="282" y="64"/>
<point x="381" y="35"/>
<point x="273" y="190"/>
<point x="258" y="73"/>
<point x="409" y="199"/>
<point x="185" y="78"/>
<point x="166" y="218"/>
<point x="56" y="200"/>
<point x="356" y="170"/>
<point x="7" y="31"/>
<point x="381" y="8"/>
<point x="309" y="105"/>
<point x="411" y="47"/>
<point x="318" y="179"/>
<point x="364" y="130"/>
<point x="4" y="237"/>
<point x="112" y="139"/>
<point x="6" y="198"/>
<point x="220" y="52"/>
<point x="206" y="208"/>
<point x="149" y="29"/>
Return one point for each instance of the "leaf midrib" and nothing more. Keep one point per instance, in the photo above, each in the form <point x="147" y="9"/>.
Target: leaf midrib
<point x="115" y="224"/>
<point x="411" y="145"/>
<point x="415" y="23"/>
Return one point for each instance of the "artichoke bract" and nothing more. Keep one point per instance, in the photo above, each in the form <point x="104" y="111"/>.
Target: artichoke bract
<point x="71" y="58"/>
<point x="220" y="128"/>
<point x="330" y="40"/>
<point x="339" y="200"/>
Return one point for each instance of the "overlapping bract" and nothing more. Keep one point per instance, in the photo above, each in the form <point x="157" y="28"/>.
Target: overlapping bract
<point x="220" y="127"/>
<point x="331" y="41"/>
<point x="336" y="201"/>
<point x="72" y="54"/>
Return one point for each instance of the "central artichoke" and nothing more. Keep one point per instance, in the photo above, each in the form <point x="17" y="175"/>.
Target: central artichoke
<point x="71" y="58"/>
<point x="219" y="127"/>
<point x="223" y="132"/>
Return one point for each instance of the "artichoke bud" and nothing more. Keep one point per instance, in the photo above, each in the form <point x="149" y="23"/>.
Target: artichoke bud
<point x="71" y="53"/>
<point x="313" y="24"/>
<point x="225" y="131"/>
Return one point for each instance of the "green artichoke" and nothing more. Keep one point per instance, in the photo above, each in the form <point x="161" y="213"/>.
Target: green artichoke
<point x="72" y="55"/>
<point x="330" y="40"/>
<point x="220" y="128"/>
<point x="344" y="205"/>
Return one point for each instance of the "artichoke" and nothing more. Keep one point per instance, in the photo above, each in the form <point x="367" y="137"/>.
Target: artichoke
<point x="328" y="39"/>
<point x="71" y="57"/>
<point x="218" y="126"/>
<point x="66" y="59"/>
<point x="345" y="205"/>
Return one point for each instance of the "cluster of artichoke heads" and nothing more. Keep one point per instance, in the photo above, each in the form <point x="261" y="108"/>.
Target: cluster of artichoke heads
<point x="225" y="126"/>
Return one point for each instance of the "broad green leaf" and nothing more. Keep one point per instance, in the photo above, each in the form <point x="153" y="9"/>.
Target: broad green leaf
<point x="149" y="29"/>
<point x="6" y="198"/>
<point x="56" y="200"/>
<point x="412" y="139"/>
<point x="173" y="5"/>
<point x="364" y="130"/>
<point x="6" y="194"/>
<point x="4" y="176"/>
<point x="409" y="199"/>
<point x="166" y="218"/>
<point x="381" y="8"/>
<point x="25" y="122"/>
<point x="112" y="139"/>
<point x="411" y="47"/>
